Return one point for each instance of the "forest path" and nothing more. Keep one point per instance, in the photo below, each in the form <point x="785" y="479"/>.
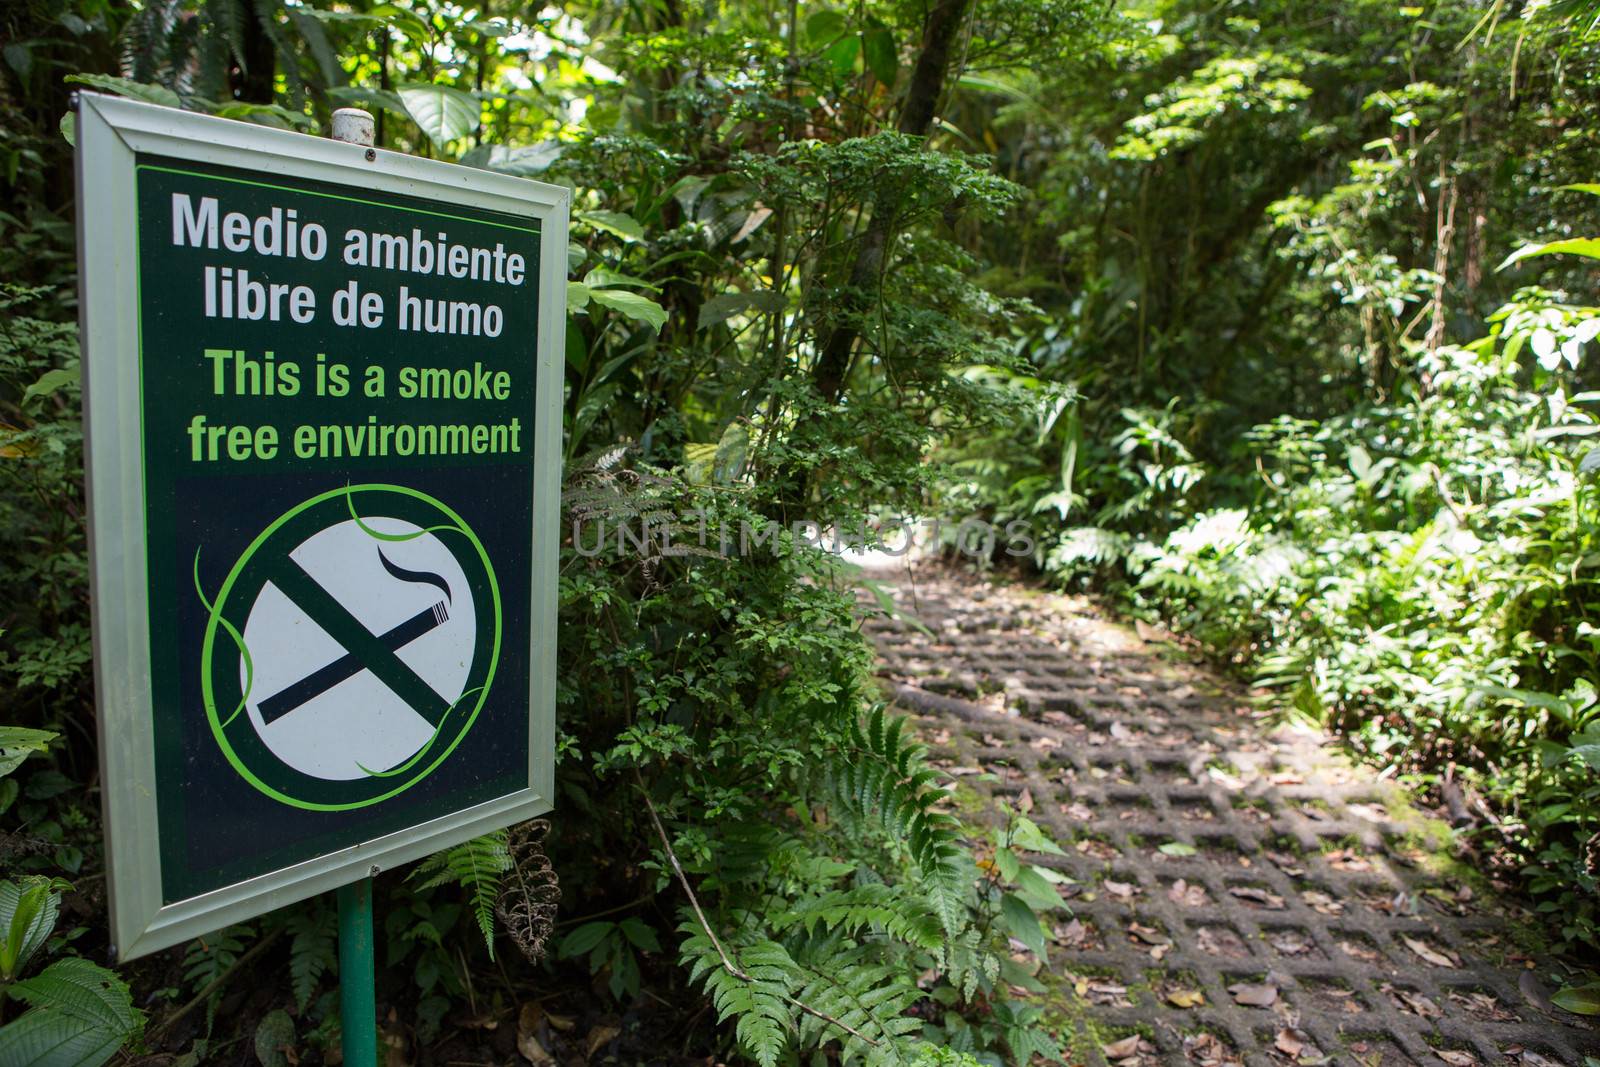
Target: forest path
<point x="1303" y="908"/>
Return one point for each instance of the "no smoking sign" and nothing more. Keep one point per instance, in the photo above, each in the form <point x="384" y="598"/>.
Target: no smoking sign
<point x="351" y="647"/>
<point x="324" y="553"/>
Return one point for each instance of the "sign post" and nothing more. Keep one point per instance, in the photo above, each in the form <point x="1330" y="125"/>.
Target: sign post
<point x="358" y="1001"/>
<point x="322" y="410"/>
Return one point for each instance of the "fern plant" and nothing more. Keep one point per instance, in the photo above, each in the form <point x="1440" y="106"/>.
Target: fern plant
<point x="477" y="866"/>
<point x="313" y="929"/>
<point x="823" y="953"/>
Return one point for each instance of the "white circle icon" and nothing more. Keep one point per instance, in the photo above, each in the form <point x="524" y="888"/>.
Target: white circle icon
<point x="359" y="647"/>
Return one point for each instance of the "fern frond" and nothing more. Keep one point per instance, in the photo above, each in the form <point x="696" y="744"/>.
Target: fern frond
<point x="477" y="866"/>
<point x="864" y="1000"/>
<point x="883" y="909"/>
<point x="758" y="998"/>
<point x="887" y="779"/>
<point x="312" y="950"/>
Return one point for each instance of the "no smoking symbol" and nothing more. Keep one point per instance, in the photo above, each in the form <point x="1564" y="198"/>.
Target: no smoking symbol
<point x="351" y="647"/>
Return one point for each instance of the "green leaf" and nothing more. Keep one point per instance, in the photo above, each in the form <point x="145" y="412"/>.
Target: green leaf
<point x="1360" y="462"/>
<point x="605" y="278"/>
<point x="150" y="94"/>
<point x="524" y="161"/>
<point x="843" y="55"/>
<point x="1588" y="247"/>
<point x="274" y="1033"/>
<point x="265" y="115"/>
<point x="1027" y="835"/>
<point x="640" y="934"/>
<point x="28" y="914"/>
<point x="17" y="743"/>
<point x="79" y="1015"/>
<point x="732" y="449"/>
<point x="51" y="382"/>
<point x="584" y="939"/>
<point x="69" y="129"/>
<point x="1023" y="924"/>
<point x="981" y="84"/>
<point x="1037" y="890"/>
<point x="1177" y="848"/>
<point x="1591" y="188"/>
<point x="632" y="305"/>
<point x="1579" y="1000"/>
<point x="443" y="113"/>
<point x="577" y="296"/>
<point x="616" y="223"/>
<point x="396" y="18"/>
<point x="882" y="57"/>
<point x="20" y="59"/>
<point x="824" y="27"/>
<point x="724" y="306"/>
<point x="1006" y="862"/>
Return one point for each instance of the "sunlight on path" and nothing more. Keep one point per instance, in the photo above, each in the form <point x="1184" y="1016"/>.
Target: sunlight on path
<point x="1244" y="894"/>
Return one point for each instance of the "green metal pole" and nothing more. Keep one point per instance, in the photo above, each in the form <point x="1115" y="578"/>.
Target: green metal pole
<point x="358" y="1001"/>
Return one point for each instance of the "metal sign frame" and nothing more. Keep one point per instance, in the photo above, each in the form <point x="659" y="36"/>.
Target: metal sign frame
<point x="110" y="132"/>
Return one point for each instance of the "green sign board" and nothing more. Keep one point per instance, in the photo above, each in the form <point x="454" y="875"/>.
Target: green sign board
<point x="322" y="407"/>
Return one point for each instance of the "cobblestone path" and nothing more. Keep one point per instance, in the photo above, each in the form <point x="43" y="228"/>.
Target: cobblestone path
<point x="1302" y="911"/>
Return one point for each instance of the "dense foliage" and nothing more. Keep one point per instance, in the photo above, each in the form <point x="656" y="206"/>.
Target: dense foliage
<point x="1221" y="298"/>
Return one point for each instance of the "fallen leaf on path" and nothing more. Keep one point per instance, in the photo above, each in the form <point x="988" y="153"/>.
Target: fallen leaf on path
<point x="1221" y="941"/>
<point x="1118" y="1050"/>
<point x="1345" y="859"/>
<point x="1253" y="995"/>
<point x="1207" y="1050"/>
<point x="1149" y="935"/>
<point x="1456" y="1058"/>
<point x="1485" y="1007"/>
<point x="1322" y="903"/>
<point x="1190" y="896"/>
<point x="1427" y="952"/>
<point x="1291" y="943"/>
<point x="534" y="1052"/>
<point x="1257" y="895"/>
<point x="1107" y="993"/>
<point x="1120" y="890"/>
<point x="1415" y="1003"/>
<point x="1358" y="951"/>
<point x="601" y="1036"/>
<point x="1534" y="991"/>
<point x="1286" y="863"/>
<point x="1287" y="1043"/>
<point x="1186" y="998"/>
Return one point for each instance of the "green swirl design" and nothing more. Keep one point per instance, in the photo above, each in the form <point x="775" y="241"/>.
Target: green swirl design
<point x="215" y="617"/>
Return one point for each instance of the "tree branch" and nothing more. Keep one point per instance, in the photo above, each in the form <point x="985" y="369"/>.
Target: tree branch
<point x="916" y="119"/>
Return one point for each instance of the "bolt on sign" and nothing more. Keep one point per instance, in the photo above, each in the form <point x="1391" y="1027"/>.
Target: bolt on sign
<point x="322" y="409"/>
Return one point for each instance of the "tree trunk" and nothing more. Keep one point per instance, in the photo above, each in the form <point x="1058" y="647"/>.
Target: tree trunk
<point x="258" y="63"/>
<point x="916" y="118"/>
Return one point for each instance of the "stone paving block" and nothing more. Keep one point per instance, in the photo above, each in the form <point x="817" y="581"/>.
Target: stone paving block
<point x="1297" y="918"/>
